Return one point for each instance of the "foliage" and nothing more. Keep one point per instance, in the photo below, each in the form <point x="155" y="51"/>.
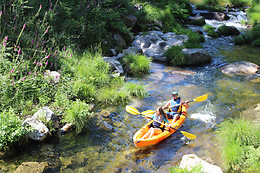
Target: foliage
<point x="250" y="37"/>
<point x="198" y="22"/>
<point x="195" y="169"/>
<point x="175" y="56"/>
<point x="254" y="12"/>
<point x="240" y="3"/>
<point x="137" y="64"/>
<point x="211" y="31"/>
<point x="224" y="30"/>
<point x="240" y="144"/>
<point x="78" y="114"/>
<point x="134" y="89"/>
<point x="12" y="130"/>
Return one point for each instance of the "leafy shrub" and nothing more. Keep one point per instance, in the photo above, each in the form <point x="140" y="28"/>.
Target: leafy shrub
<point x="240" y="144"/>
<point x="239" y="3"/>
<point x="175" y="56"/>
<point x="256" y="43"/>
<point x="78" y="114"/>
<point x="211" y="31"/>
<point x="254" y="12"/>
<point x="240" y="40"/>
<point x="250" y="37"/>
<point x="194" y="38"/>
<point x="12" y="130"/>
<point x="137" y="64"/>
<point x="134" y="89"/>
<point x="110" y="96"/>
<point x="198" y="22"/>
<point x="224" y="30"/>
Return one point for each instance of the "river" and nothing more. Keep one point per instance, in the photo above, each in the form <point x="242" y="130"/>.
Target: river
<point x="114" y="151"/>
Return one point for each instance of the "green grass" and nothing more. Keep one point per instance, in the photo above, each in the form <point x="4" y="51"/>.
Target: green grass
<point x="195" y="169"/>
<point x="175" y="56"/>
<point x="240" y="140"/>
<point x="78" y="114"/>
<point x="136" y="64"/>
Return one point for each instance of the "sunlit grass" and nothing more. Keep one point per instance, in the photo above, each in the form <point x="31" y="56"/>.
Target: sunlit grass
<point x="240" y="140"/>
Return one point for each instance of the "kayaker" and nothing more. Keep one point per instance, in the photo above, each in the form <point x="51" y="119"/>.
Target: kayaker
<point x="175" y="107"/>
<point x="156" y="127"/>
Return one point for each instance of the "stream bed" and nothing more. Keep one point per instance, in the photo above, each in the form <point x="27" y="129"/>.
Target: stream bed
<point x="114" y="151"/>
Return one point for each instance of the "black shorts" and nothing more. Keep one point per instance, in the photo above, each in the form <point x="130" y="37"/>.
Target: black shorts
<point x="152" y="125"/>
<point x="170" y="115"/>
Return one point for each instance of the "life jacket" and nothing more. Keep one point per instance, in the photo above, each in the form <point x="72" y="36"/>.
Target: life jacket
<point x="175" y="102"/>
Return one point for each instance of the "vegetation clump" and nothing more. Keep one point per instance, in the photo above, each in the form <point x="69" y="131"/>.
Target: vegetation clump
<point x="175" y="56"/>
<point x="211" y="31"/>
<point x="240" y="145"/>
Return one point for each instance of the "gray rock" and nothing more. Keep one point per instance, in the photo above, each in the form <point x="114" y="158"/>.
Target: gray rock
<point x="117" y="67"/>
<point x="40" y="131"/>
<point x="191" y="160"/>
<point x="197" y="56"/>
<point x="239" y="68"/>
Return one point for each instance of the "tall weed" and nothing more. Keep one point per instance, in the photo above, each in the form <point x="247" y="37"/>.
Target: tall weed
<point x="78" y="114"/>
<point x="137" y="64"/>
<point x="240" y="141"/>
<point x="12" y="130"/>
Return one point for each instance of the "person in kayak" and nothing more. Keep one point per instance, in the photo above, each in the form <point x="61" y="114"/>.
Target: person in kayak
<point x="175" y="107"/>
<point x="156" y="127"/>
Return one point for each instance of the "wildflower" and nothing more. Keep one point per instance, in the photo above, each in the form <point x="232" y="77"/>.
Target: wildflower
<point x="24" y="26"/>
<point x="23" y="79"/>
<point x="12" y="84"/>
<point x="4" y="44"/>
<point x="37" y="45"/>
<point x="1" y="12"/>
<point x="6" y="38"/>
<point x="47" y="56"/>
<point x="12" y="70"/>
<point x="29" y="72"/>
<point x="17" y="71"/>
<point x="19" y="51"/>
<point x="29" y="57"/>
<point x="64" y="48"/>
<point x="46" y="62"/>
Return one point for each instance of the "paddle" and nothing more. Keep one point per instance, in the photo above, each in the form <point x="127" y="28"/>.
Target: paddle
<point x="134" y="111"/>
<point x="198" y="99"/>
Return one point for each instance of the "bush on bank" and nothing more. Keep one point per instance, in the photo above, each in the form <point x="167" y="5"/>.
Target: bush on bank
<point x="240" y="141"/>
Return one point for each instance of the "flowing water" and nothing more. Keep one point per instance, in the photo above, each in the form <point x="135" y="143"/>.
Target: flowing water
<point x="114" y="151"/>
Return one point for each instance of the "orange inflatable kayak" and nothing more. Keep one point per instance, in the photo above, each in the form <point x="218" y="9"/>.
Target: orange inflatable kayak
<point x="159" y="137"/>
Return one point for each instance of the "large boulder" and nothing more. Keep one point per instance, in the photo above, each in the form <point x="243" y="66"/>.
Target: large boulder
<point x="155" y="43"/>
<point x="191" y="160"/>
<point x="28" y="167"/>
<point x="196" y="56"/>
<point x="239" y="68"/>
<point x="215" y="16"/>
<point x="115" y="64"/>
<point x="40" y="131"/>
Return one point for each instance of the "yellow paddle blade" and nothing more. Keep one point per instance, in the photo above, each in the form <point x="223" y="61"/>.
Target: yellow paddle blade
<point x="132" y="110"/>
<point x="148" y="112"/>
<point x="188" y="135"/>
<point x="201" y="98"/>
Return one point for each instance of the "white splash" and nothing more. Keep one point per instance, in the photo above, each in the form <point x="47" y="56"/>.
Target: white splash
<point x="205" y="117"/>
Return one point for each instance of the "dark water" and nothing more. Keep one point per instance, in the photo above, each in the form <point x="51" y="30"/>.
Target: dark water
<point x="114" y="151"/>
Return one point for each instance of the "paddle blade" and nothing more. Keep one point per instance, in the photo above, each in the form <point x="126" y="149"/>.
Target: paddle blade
<point x="201" y="98"/>
<point x="188" y="135"/>
<point x="132" y="110"/>
<point x="148" y="112"/>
